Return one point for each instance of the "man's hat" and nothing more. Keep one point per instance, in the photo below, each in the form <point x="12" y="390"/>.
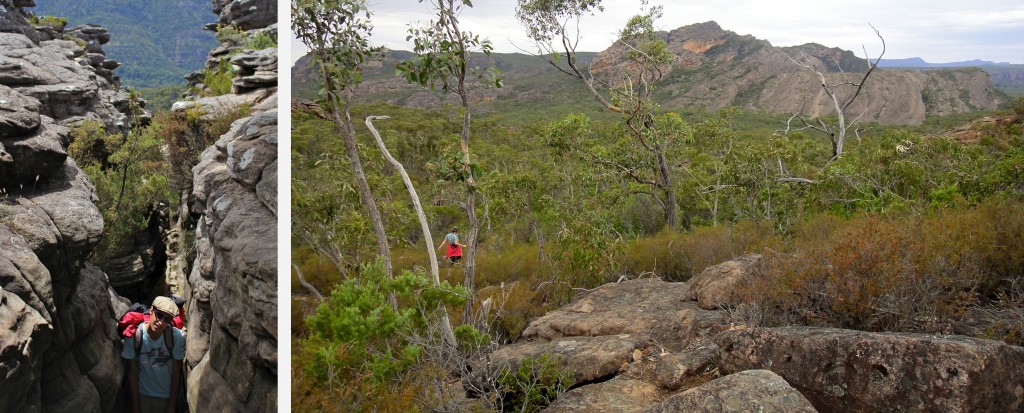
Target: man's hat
<point x="165" y="305"/>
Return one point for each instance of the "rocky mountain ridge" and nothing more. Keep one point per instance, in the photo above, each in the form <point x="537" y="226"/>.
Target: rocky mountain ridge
<point x="712" y="68"/>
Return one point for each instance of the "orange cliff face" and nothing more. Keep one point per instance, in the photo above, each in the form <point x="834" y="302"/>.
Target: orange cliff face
<point x="701" y="46"/>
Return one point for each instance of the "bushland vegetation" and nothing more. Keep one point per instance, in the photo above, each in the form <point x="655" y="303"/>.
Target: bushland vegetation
<point x="903" y="212"/>
<point x="911" y="230"/>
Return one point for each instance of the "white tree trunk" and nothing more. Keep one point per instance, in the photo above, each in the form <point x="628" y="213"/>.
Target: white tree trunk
<point x="446" y="327"/>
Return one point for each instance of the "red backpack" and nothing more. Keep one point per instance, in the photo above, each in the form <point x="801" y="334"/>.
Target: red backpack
<point x="128" y="325"/>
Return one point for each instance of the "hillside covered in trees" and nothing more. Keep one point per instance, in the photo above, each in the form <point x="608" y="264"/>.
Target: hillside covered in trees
<point x="157" y="42"/>
<point x="628" y="178"/>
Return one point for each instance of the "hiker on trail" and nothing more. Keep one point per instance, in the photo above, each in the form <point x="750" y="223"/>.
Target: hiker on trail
<point x="155" y="353"/>
<point x="454" y="253"/>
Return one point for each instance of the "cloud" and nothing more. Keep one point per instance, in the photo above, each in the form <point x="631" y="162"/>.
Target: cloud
<point x="935" y="30"/>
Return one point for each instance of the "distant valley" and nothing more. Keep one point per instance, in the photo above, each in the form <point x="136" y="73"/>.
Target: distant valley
<point x="156" y="42"/>
<point x="1006" y="77"/>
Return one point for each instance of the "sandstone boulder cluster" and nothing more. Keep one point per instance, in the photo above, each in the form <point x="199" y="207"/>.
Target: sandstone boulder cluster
<point x="646" y="345"/>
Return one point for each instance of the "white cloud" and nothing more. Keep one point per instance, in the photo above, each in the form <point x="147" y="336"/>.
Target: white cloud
<point x="935" y="30"/>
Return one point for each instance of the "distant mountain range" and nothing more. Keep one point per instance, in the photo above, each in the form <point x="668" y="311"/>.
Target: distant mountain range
<point x="157" y="42"/>
<point x="1006" y="77"/>
<point x="712" y="69"/>
<point x="917" y="62"/>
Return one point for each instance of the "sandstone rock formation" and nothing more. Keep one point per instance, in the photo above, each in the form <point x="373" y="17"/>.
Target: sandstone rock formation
<point x="644" y="346"/>
<point x="855" y="371"/>
<point x="232" y="323"/>
<point x="745" y="391"/>
<point x="59" y="350"/>
<point x="69" y="81"/>
<point x="713" y="286"/>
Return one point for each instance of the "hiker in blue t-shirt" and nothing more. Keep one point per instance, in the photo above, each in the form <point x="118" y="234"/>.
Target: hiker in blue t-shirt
<point x="154" y="365"/>
<point x="454" y="253"/>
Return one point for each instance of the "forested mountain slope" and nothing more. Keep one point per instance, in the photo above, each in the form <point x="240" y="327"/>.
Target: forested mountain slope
<point x="157" y="42"/>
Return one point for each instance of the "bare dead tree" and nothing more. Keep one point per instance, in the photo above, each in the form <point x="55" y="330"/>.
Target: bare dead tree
<point x="305" y="284"/>
<point x="842" y="94"/>
<point x="446" y="326"/>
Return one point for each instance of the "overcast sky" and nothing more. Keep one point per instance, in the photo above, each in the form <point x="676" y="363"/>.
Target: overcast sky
<point x="937" y="31"/>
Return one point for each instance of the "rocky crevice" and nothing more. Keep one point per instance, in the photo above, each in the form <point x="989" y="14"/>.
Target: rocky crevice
<point x="232" y="287"/>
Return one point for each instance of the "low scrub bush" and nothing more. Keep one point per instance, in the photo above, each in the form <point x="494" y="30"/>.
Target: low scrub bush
<point x="678" y="256"/>
<point x="917" y="273"/>
<point x="358" y="350"/>
<point x="217" y="81"/>
<point x="50" y="21"/>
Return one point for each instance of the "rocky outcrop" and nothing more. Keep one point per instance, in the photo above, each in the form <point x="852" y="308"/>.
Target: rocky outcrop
<point x="746" y="391"/>
<point x="646" y="346"/>
<point x="855" y="371"/>
<point x="70" y="82"/>
<point x="246" y="14"/>
<point x="59" y="350"/>
<point x="67" y="78"/>
<point x="713" y="287"/>
<point x="631" y="329"/>
<point x="664" y="315"/>
<point x="232" y="287"/>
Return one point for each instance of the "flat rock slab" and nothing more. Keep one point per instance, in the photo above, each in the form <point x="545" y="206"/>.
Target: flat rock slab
<point x="650" y="308"/>
<point x="588" y="358"/>
<point x="748" y="391"/>
<point x="855" y="371"/>
<point x="613" y="396"/>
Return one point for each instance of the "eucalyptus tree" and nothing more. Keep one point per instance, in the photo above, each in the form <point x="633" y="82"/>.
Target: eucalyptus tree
<point x="442" y="60"/>
<point x="337" y="33"/>
<point x="634" y="66"/>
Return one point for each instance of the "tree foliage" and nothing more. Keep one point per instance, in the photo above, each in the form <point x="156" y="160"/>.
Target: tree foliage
<point x="131" y="178"/>
<point x="442" y="49"/>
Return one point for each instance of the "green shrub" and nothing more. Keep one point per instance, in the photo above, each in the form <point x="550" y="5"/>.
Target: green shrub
<point x="238" y="37"/>
<point x="217" y="81"/>
<point x="230" y="34"/>
<point x="532" y="386"/>
<point x="261" y="40"/>
<point x="130" y="175"/>
<point x="358" y="343"/>
<point x="51" y="21"/>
